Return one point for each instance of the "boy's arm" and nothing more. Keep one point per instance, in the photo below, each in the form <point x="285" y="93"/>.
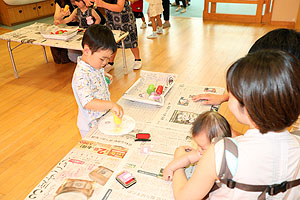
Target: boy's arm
<point x="96" y="16"/>
<point x="101" y="105"/>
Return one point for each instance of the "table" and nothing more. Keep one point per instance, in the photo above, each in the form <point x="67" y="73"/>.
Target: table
<point x="31" y="35"/>
<point x="169" y="126"/>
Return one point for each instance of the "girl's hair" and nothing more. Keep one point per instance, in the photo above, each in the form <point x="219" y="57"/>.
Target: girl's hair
<point x="267" y="83"/>
<point x="98" y="37"/>
<point x="212" y="122"/>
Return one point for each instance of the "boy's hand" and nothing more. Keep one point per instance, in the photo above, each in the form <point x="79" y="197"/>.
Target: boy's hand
<point x="109" y="76"/>
<point x="118" y="110"/>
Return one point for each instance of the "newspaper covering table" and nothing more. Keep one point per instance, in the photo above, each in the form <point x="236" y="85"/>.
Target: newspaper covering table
<point x="32" y="35"/>
<point x="169" y="127"/>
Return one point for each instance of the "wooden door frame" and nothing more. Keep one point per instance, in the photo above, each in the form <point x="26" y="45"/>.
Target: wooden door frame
<point x="258" y="18"/>
<point x="297" y="25"/>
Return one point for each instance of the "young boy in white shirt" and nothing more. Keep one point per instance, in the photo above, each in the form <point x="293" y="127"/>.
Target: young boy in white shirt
<point x="89" y="83"/>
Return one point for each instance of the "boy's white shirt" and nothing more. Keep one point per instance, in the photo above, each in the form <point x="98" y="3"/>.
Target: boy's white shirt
<point x="92" y="84"/>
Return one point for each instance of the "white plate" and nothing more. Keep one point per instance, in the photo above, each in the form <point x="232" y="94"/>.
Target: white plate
<point x="108" y="127"/>
<point x="63" y="36"/>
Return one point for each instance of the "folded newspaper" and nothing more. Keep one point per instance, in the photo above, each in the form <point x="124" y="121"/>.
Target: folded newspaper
<point x="151" y="88"/>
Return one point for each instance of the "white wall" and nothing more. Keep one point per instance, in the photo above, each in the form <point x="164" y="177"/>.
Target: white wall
<point x="285" y="10"/>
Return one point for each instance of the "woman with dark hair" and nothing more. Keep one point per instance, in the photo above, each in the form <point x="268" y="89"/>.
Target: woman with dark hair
<point x="264" y="93"/>
<point x="287" y="40"/>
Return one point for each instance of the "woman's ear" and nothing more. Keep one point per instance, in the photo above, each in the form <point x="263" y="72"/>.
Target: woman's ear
<point x="86" y="50"/>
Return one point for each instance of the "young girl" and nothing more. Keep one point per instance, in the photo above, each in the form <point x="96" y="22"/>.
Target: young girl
<point x="155" y="9"/>
<point x="83" y="14"/>
<point x="206" y="127"/>
<point x="264" y="93"/>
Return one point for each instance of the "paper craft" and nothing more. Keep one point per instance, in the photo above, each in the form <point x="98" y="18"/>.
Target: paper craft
<point x="75" y="189"/>
<point x="107" y="125"/>
<point x="151" y="88"/>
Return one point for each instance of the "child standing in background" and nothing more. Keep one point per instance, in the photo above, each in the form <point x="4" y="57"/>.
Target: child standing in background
<point x="83" y="14"/>
<point x="206" y="127"/>
<point x="89" y="85"/>
<point x="137" y="9"/>
<point x="155" y="9"/>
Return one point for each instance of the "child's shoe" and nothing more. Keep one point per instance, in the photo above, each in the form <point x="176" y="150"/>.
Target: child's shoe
<point x="177" y="9"/>
<point x="137" y="64"/>
<point x="160" y="30"/>
<point x="152" y="36"/>
<point x="144" y="25"/>
<point x="173" y="4"/>
<point x="183" y="11"/>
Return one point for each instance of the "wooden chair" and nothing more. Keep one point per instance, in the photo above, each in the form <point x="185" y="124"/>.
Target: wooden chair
<point x="259" y="17"/>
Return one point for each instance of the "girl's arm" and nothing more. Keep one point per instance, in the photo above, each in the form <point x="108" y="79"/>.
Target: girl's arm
<point x="59" y="14"/>
<point x="112" y="7"/>
<point x="96" y="16"/>
<point x="70" y="18"/>
<point x="201" y="181"/>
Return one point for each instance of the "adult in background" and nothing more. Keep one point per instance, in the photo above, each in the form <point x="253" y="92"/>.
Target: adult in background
<point x="166" y="13"/>
<point x="283" y="39"/>
<point x="287" y="40"/>
<point x="120" y="17"/>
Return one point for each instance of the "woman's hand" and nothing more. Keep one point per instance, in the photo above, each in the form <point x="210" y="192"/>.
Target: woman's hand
<point x="211" y="99"/>
<point x="168" y="173"/>
<point x="89" y="2"/>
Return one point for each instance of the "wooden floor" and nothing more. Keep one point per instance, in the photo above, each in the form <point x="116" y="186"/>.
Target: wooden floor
<point x="38" y="111"/>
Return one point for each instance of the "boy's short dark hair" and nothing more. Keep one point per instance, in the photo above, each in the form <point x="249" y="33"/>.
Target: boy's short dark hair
<point x="98" y="37"/>
<point x="287" y="40"/>
<point x="212" y="122"/>
<point x="267" y="83"/>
